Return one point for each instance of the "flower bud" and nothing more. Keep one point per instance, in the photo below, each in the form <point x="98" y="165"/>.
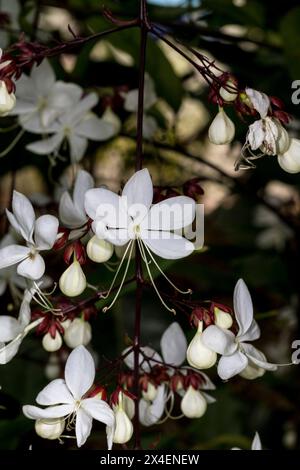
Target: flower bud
<point x="51" y="344"/>
<point x="124" y="428"/>
<point x="72" y="282"/>
<point x="128" y="405"/>
<point x="290" y="160"/>
<point x="222" y="129"/>
<point x="193" y="404"/>
<point x="78" y="333"/>
<point x="252" y="372"/>
<point x="112" y="118"/>
<point x="222" y="319"/>
<point x="7" y="100"/>
<point x="99" y="250"/>
<point x="229" y="94"/>
<point x="150" y="393"/>
<point x="198" y="355"/>
<point x="49" y="428"/>
<point x="283" y="140"/>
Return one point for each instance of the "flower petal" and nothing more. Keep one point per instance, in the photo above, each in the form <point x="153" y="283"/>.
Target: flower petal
<point x="69" y="214"/>
<point x="139" y="189"/>
<point x="56" y="392"/>
<point x="232" y="365"/>
<point x="107" y="207"/>
<point x="24" y="214"/>
<point x="43" y="78"/>
<point x="84" y="423"/>
<point x="9" y="328"/>
<point x="32" y="268"/>
<point x="260" y="101"/>
<point x="219" y="340"/>
<point x="150" y="413"/>
<point x="173" y="345"/>
<point x="45" y="231"/>
<point x="251" y="334"/>
<point x="46" y="146"/>
<point x="243" y="307"/>
<point x="99" y="410"/>
<point x="167" y="245"/>
<point x="12" y="254"/>
<point x="34" y="412"/>
<point x="84" y="181"/>
<point x="96" y="129"/>
<point x="8" y="352"/>
<point x="78" y="146"/>
<point x="257" y="357"/>
<point x="171" y="214"/>
<point x="145" y="366"/>
<point x="256" y="443"/>
<point x="79" y="372"/>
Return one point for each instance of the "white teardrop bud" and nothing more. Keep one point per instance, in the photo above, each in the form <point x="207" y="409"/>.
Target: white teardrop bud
<point x="7" y="100"/>
<point x="222" y="129"/>
<point x="78" y="333"/>
<point x="128" y="405"/>
<point x="123" y="427"/>
<point x="193" y="404"/>
<point x="290" y="160"/>
<point x="72" y="282"/>
<point x="283" y="140"/>
<point x="52" y="344"/>
<point x="49" y="428"/>
<point x="230" y="94"/>
<point x="222" y="319"/>
<point x="150" y="393"/>
<point x="112" y="118"/>
<point x="99" y="250"/>
<point x="198" y="355"/>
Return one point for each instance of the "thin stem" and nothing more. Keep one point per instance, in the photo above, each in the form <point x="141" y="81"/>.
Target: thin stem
<point x="144" y="27"/>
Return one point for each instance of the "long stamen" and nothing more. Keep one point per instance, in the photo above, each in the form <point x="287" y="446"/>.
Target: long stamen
<point x="123" y="278"/>
<point x="189" y="291"/>
<point x="141" y="247"/>
<point x="104" y="296"/>
<point x="13" y="143"/>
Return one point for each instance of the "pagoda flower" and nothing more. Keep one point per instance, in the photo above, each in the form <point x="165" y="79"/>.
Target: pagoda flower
<point x="76" y="126"/>
<point x="222" y="129"/>
<point x="122" y="430"/>
<point x="256" y="443"/>
<point x="39" y="235"/>
<point x="266" y="133"/>
<point x="290" y="159"/>
<point x="13" y="330"/>
<point x="132" y="219"/>
<point x="66" y="400"/>
<point x="41" y="99"/>
<point x="150" y="98"/>
<point x="237" y="354"/>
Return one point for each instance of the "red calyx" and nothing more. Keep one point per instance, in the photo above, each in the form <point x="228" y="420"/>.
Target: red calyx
<point x="77" y="250"/>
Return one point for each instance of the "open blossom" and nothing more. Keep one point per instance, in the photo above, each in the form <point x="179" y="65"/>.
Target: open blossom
<point x="39" y="235"/>
<point x="237" y="354"/>
<point x="65" y="398"/>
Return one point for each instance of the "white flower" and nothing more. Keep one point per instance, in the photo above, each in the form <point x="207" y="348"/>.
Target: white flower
<point x="7" y="100"/>
<point x="99" y="250"/>
<point x="72" y="282"/>
<point x="39" y="235"/>
<point x="193" y="403"/>
<point x="14" y="330"/>
<point x="222" y="129"/>
<point x="49" y="428"/>
<point x="290" y="160"/>
<point x="123" y="428"/>
<point x="236" y="353"/>
<point x="198" y="355"/>
<point x="259" y="101"/>
<point x="77" y="333"/>
<point x="77" y="125"/>
<point x="65" y="398"/>
<point x="41" y="99"/>
<point x="268" y="135"/>
<point x="71" y="209"/>
<point x="51" y="344"/>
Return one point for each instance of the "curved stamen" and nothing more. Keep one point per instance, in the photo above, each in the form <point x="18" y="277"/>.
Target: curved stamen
<point x="13" y="143"/>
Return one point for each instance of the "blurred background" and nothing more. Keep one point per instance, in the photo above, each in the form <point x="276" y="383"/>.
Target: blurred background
<point x="251" y="217"/>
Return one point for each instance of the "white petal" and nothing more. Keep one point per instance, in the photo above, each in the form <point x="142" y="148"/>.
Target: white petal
<point x="173" y="345"/>
<point x="232" y="365"/>
<point x="99" y="410"/>
<point x="34" y="412"/>
<point x="84" y="105"/>
<point x="106" y="206"/>
<point x="95" y="129"/>
<point x="32" y="268"/>
<point x="83" y="427"/>
<point x="256" y="444"/>
<point x="9" y="328"/>
<point x="8" y="352"/>
<point x="139" y="189"/>
<point x="78" y="146"/>
<point x="43" y="77"/>
<point x="12" y="254"/>
<point x="46" y="146"/>
<point x="69" y="214"/>
<point x="219" y="340"/>
<point x="171" y="214"/>
<point x="256" y="134"/>
<point x="257" y="357"/>
<point x="24" y="214"/>
<point x="79" y="372"/>
<point x="45" y="231"/>
<point x="260" y="101"/>
<point x="150" y="413"/>
<point x="54" y="393"/>
<point x="84" y="181"/>
<point x="167" y="245"/>
<point x="144" y="365"/>
<point x="243" y="307"/>
<point x="251" y="334"/>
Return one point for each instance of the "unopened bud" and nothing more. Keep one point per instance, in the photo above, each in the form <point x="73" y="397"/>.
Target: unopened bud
<point x="49" y="428"/>
<point x="78" y="333"/>
<point x="230" y="92"/>
<point x="193" y="404"/>
<point x="222" y="319"/>
<point x="72" y="282"/>
<point x="124" y="428"/>
<point x="51" y="344"/>
<point x="290" y="160"/>
<point x="7" y="100"/>
<point x="150" y="393"/>
<point x="99" y="250"/>
<point x="198" y="355"/>
<point x="222" y="129"/>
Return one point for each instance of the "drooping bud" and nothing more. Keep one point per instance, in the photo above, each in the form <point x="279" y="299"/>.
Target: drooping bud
<point x="290" y="160"/>
<point x="49" y="428"/>
<point x="229" y="92"/>
<point x="222" y="319"/>
<point x="78" y="333"/>
<point x="50" y="343"/>
<point x="123" y="425"/>
<point x="222" y="129"/>
<point x="252" y="371"/>
<point x="99" y="250"/>
<point x="7" y="100"/>
<point x="198" y="355"/>
<point x="193" y="404"/>
<point x="150" y="393"/>
<point x="72" y="282"/>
